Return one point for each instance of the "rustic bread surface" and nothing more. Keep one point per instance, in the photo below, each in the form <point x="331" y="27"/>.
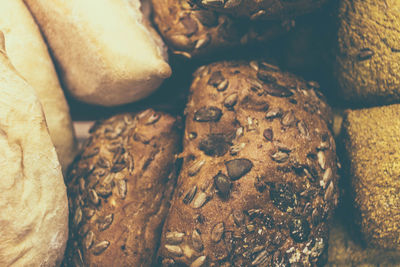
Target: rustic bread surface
<point x="119" y="190"/>
<point x="262" y="9"/>
<point x="371" y="139"/>
<point x="105" y="51"/>
<point x="193" y="32"/>
<point x="29" y="55"/>
<point x="259" y="178"/>
<point x="33" y="199"/>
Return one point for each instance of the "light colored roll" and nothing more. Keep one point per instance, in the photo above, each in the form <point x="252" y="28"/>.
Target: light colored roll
<point x="106" y="52"/>
<point x="33" y="200"/>
<point x="29" y="55"/>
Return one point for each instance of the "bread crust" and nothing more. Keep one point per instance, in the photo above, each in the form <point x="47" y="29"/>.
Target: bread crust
<point x="105" y="53"/>
<point x="371" y="142"/>
<point x="262" y="9"/>
<point x="119" y="190"/>
<point x="33" y="199"/>
<point x="29" y="55"/>
<point x="258" y="183"/>
<point x="194" y="32"/>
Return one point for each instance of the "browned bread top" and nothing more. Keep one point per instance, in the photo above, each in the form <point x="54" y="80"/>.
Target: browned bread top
<point x="258" y="182"/>
<point x="192" y="31"/>
<point x="119" y="190"/>
<point x="262" y="9"/>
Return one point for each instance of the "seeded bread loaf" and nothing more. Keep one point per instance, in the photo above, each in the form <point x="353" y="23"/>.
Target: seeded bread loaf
<point x="119" y="190"/>
<point x="106" y="50"/>
<point x="29" y="55"/>
<point x="372" y="140"/>
<point x="192" y="32"/>
<point x="262" y="9"/>
<point x="33" y="199"/>
<point x="258" y="182"/>
<point x="368" y="56"/>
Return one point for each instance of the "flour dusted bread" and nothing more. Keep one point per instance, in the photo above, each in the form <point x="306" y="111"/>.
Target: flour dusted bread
<point x="105" y="50"/>
<point x="29" y="55"/>
<point x="33" y="201"/>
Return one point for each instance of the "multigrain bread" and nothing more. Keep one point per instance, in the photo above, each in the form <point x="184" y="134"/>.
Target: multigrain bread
<point x="368" y="56"/>
<point x="262" y="9"/>
<point x="119" y="190"/>
<point x="258" y="182"/>
<point x="194" y="32"/>
<point x="106" y="50"/>
<point x="371" y="138"/>
<point x="33" y="199"/>
<point x="29" y="55"/>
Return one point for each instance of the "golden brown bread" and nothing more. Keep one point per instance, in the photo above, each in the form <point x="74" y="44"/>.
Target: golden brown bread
<point x="258" y="183"/>
<point x="119" y="190"/>
<point x="105" y="51"/>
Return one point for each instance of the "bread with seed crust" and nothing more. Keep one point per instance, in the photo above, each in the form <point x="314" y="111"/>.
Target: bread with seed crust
<point x="262" y="9"/>
<point x="29" y="55"/>
<point x="259" y="178"/>
<point x="107" y="52"/>
<point x="33" y="199"/>
<point x="193" y="32"/>
<point x="119" y="190"/>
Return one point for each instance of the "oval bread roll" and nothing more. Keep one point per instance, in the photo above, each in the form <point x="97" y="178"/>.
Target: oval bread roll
<point x="119" y="190"/>
<point x="29" y="55"/>
<point x="258" y="183"/>
<point x="106" y="52"/>
<point x="33" y="200"/>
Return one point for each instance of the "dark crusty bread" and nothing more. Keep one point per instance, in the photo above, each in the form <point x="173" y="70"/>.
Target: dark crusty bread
<point x="259" y="178"/>
<point x="372" y="141"/>
<point x="192" y="31"/>
<point x="119" y="190"/>
<point x="262" y="9"/>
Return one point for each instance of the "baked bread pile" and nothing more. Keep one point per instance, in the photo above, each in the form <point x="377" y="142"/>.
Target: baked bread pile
<point x="207" y="133"/>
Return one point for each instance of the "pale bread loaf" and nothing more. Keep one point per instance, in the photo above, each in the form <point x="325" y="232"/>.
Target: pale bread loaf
<point x="29" y="55"/>
<point x="107" y="55"/>
<point x="33" y="200"/>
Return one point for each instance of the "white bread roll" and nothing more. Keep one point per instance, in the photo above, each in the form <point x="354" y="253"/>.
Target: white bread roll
<point x="106" y="52"/>
<point x="29" y="55"/>
<point x="33" y="200"/>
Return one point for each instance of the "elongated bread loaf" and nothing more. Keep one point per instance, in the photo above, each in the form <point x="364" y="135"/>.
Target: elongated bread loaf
<point x="33" y="200"/>
<point x="258" y="182"/>
<point x="119" y="190"/>
<point x="29" y="55"/>
<point x="106" y="52"/>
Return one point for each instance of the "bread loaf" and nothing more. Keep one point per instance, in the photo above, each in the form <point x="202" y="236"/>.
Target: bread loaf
<point x="371" y="139"/>
<point x="368" y="56"/>
<point x="347" y="250"/>
<point x="194" y="32"/>
<point x="258" y="182"/>
<point x="119" y="190"/>
<point x="262" y="9"/>
<point x="106" y="52"/>
<point x="29" y="55"/>
<point x="33" y="200"/>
